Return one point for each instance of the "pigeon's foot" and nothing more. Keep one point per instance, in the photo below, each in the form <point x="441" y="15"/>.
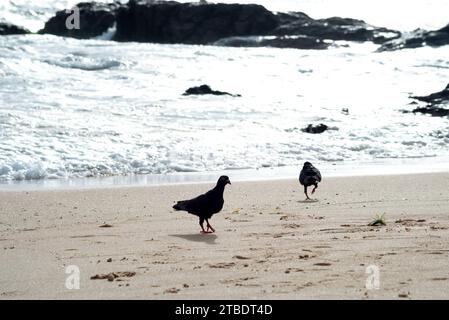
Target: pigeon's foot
<point x="209" y="227"/>
<point x="204" y="232"/>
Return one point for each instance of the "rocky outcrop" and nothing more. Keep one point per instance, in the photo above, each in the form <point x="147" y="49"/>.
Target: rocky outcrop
<point x="335" y="28"/>
<point x="205" y="89"/>
<point x="9" y="29"/>
<point x="418" y="38"/>
<point x="94" y="20"/>
<point x="433" y="111"/>
<point x="435" y="98"/>
<point x="238" y="25"/>
<point x="435" y="103"/>
<point x="320" y="128"/>
<point x="190" y="23"/>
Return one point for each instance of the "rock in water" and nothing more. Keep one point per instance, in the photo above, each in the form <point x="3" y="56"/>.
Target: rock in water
<point x="190" y="23"/>
<point x="295" y="42"/>
<point x="335" y="28"/>
<point x="95" y="19"/>
<point x="206" y="205"/>
<point x="434" y="101"/>
<point x="433" y="111"/>
<point x="10" y="29"/>
<point x="418" y="38"/>
<point x="205" y="89"/>
<point x="435" y="98"/>
<point x="320" y="128"/>
<point x="222" y="24"/>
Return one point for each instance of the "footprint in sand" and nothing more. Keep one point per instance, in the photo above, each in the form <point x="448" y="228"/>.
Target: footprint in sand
<point x="322" y="264"/>
<point x="229" y="281"/>
<point x="289" y="270"/>
<point x="292" y="226"/>
<point x="10" y="293"/>
<point x="222" y="265"/>
<point x="306" y="257"/>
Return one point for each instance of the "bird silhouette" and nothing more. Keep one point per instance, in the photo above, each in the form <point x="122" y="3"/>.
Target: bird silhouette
<point x="206" y="205"/>
<point x="309" y="176"/>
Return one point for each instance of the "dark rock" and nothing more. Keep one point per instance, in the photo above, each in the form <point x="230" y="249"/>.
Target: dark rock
<point x="190" y="23"/>
<point x="296" y="42"/>
<point x="10" y="29"/>
<point x="237" y="25"/>
<point x="335" y="28"/>
<point x="95" y="19"/>
<point x="204" y="23"/>
<point x="433" y="111"/>
<point x="418" y="38"/>
<point x="205" y="89"/>
<point x="320" y="128"/>
<point x="434" y="101"/>
<point x="435" y="98"/>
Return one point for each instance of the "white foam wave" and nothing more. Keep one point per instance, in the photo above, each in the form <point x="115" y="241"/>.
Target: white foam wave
<point x="127" y="114"/>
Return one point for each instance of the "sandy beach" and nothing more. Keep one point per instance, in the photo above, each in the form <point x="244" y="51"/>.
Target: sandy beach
<point x="269" y="242"/>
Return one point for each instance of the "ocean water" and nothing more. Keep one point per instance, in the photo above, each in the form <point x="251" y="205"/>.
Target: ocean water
<point x="89" y="108"/>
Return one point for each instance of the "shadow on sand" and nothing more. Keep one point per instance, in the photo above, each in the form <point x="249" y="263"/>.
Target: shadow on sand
<point x="308" y="201"/>
<point x="200" y="237"/>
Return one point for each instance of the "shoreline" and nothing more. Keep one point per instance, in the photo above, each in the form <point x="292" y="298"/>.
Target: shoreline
<point x="329" y="170"/>
<point x="269" y="243"/>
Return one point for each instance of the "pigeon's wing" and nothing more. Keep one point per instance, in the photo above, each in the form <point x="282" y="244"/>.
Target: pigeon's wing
<point x="195" y="205"/>
<point x="309" y="176"/>
<point x="302" y="177"/>
<point x="317" y="174"/>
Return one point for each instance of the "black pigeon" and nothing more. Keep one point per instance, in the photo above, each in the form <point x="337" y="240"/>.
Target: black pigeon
<point x="206" y="205"/>
<point x="309" y="176"/>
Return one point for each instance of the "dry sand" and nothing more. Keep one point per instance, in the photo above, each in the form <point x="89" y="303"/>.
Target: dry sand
<point x="269" y="242"/>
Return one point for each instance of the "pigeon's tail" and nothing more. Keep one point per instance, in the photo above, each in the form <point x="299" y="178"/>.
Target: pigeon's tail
<point x="311" y="180"/>
<point x="180" y="205"/>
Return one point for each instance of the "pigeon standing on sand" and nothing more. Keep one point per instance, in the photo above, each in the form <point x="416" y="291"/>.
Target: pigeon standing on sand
<point x="309" y="176"/>
<point x="206" y="205"/>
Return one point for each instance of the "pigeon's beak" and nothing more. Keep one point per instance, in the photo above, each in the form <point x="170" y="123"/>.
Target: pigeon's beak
<point x="229" y="181"/>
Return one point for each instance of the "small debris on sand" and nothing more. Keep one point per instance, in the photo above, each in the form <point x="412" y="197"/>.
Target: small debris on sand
<point x="241" y="257"/>
<point x="113" y="275"/>
<point x="172" y="290"/>
<point x="106" y="225"/>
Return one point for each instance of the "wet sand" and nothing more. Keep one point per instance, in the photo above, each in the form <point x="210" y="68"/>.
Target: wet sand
<point x="269" y="242"/>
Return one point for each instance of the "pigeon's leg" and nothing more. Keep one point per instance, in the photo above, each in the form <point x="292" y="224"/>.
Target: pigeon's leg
<point x="316" y="186"/>
<point x="209" y="227"/>
<point x="305" y="192"/>
<point x="201" y="225"/>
